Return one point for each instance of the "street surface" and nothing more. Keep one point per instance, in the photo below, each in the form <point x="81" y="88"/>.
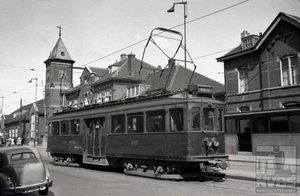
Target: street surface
<point x="77" y="181"/>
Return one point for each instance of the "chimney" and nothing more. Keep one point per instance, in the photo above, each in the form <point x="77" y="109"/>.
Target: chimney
<point x="130" y="65"/>
<point x="123" y="57"/>
<point x="244" y="34"/>
<point x="248" y="40"/>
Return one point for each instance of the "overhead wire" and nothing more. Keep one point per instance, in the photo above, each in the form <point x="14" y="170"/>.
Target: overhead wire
<point x="129" y="46"/>
<point x="215" y="12"/>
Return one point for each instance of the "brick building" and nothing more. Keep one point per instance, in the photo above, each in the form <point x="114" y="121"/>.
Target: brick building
<point x="262" y="87"/>
<point x="99" y="85"/>
<point x="27" y="122"/>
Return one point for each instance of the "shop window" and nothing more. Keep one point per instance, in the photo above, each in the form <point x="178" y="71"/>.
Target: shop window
<point x="118" y="124"/>
<point x="260" y="125"/>
<point x="195" y="119"/>
<point x="176" y="119"/>
<point x="208" y="119"/>
<point x="243" y="80"/>
<point x="75" y="127"/>
<point x="295" y="123"/>
<point x="135" y="123"/>
<point x="289" y="70"/>
<point x="279" y="124"/>
<point x="55" y="128"/>
<point x="156" y="121"/>
<point x="65" y="128"/>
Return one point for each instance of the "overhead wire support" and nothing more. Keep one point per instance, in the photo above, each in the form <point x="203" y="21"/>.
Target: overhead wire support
<point x="187" y="22"/>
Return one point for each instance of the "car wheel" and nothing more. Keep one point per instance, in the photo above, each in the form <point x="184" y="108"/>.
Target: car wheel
<point x="44" y="192"/>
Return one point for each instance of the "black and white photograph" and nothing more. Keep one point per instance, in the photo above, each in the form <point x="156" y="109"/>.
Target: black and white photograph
<point x="149" y="97"/>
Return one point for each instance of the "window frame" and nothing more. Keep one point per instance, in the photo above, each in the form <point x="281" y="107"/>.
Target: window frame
<point x="203" y="118"/>
<point x="199" y="118"/>
<point x="120" y="121"/>
<point x="243" y="80"/>
<point x="162" y="127"/>
<point x="52" y="128"/>
<point x="292" y="71"/>
<point x="181" y="118"/>
<point x="139" y="116"/>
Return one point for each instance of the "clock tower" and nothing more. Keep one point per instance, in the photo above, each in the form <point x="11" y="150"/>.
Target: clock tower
<point x="59" y="72"/>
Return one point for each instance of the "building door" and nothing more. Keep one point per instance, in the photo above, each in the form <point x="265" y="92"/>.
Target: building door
<point x="244" y="135"/>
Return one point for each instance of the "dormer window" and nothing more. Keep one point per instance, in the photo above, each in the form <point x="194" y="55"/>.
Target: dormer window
<point x="62" y="53"/>
<point x="248" y="40"/>
<point x="133" y="91"/>
<point x="289" y="70"/>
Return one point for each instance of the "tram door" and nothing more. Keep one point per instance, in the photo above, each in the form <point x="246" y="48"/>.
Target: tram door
<point x="94" y="136"/>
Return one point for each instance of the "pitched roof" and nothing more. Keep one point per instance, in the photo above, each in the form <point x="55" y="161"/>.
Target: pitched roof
<point x="15" y="116"/>
<point x="60" y="51"/>
<point x="238" y="51"/>
<point x="98" y="71"/>
<point x="177" y="77"/>
<point x="129" y="68"/>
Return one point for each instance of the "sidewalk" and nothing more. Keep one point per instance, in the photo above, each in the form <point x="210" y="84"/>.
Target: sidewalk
<point x="242" y="167"/>
<point x="250" y="167"/>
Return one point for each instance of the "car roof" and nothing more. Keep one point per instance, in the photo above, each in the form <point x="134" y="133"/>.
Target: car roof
<point x="17" y="149"/>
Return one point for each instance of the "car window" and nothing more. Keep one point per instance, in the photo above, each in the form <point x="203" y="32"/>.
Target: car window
<point x="23" y="156"/>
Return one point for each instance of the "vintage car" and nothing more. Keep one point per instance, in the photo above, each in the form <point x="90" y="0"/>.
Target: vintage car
<point x="22" y="171"/>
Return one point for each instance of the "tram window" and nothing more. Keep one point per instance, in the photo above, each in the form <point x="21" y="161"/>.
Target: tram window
<point x="156" y="121"/>
<point x="75" y="125"/>
<point x="208" y="119"/>
<point x="118" y="124"/>
<point x="55" y="128"/>
<point x="195" y="118"/>
<point x="176" y="119"/>
<point x="220" y="120"/>
<point x="135" y="123"/>
<point x="65" y="128"/>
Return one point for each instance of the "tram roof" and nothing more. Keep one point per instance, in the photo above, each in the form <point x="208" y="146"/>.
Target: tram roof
<point x="139" y="99"/>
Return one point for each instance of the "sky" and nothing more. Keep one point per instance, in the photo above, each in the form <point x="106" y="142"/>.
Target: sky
<point x="97" y="32"/>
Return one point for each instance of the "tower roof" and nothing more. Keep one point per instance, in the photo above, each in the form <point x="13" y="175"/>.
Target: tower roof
<point x="60" y="51"/>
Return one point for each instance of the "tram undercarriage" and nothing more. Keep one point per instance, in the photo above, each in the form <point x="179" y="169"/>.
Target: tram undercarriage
<point x="173" y="170"/>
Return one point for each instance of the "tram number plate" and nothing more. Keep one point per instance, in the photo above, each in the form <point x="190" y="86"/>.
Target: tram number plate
<point x="134" y="143"/>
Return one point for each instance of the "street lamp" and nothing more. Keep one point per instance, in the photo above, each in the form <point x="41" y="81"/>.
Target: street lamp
<point x="172" y="9"/>
<point x="35" y="113"/>
<point x="2" y="118"/>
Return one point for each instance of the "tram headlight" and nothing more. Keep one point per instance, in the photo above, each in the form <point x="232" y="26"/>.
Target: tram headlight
<point x="215" y="142"/>
<point x="207" y="142"/>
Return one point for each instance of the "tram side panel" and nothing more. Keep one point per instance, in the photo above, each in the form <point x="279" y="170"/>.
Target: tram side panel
<point x="145" y="146"/>
<point x="65" y="144"/>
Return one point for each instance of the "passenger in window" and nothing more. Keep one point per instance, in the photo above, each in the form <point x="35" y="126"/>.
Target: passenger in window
<point x="156" y="128"/>
<point x="118" y="129"/>
<point x="130" y="130"/>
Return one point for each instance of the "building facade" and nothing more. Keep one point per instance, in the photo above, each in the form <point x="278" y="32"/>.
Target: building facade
<point x="28" y="122"/>
<point x="59" y="73"/>
<point x="262" y="86"/>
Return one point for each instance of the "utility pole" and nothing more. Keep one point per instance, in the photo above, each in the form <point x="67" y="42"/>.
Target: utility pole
<point x="21" y="133"/>
<point x="2" y="118"/>
<point x="35" y="139"/>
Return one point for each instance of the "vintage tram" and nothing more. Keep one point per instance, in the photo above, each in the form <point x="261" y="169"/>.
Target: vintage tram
<point x="166" y="135"/>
